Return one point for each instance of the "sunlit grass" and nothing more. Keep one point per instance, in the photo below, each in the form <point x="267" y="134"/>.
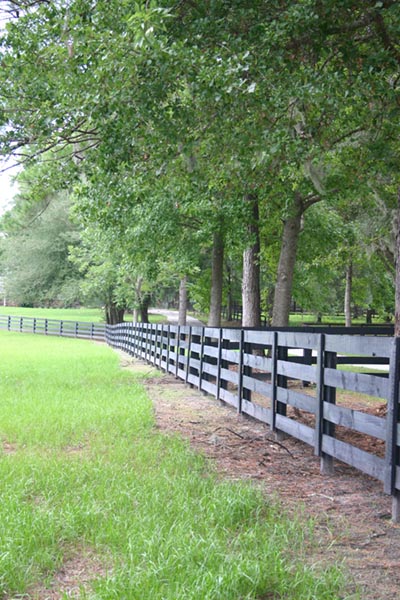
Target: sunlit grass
<point x="93" y="315"/>
<point x="83" y="467"/>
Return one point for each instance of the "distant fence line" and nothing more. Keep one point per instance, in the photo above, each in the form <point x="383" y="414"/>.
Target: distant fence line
<point x="290" y="380"/>
<point x="77" y="329"/>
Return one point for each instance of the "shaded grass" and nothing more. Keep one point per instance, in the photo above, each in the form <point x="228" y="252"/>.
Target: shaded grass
<point x="84" y="467"/>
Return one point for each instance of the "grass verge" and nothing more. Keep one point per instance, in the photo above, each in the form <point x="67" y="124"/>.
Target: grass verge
<point x="85" y="474"/>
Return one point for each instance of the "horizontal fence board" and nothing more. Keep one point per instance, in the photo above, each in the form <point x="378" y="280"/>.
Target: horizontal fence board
<point x="353" y="419"/>
<point x="211" y="332"/>
<point x="194" y="363"/>
<point x="181" y="373"/>
<point x="193" y="379"/>
<point x="295" y="429"/>
<point x="309" y="341"/>
<point x="361" y="460"/>
<point x="195" y="347"/>
<point x="232" y="335"/>
<point x="228" y="397"/>
<point x="263" y="338"/>
<point x="231" y="356"/>
<point x="209" y="387"/>
<point x="227" y="375"/>
<point x="256" y="411"/>
<point x="211" y="351"/>
<point x="297" y="399"/>
<point x="257" y="362"/>
<point x="210" y="369"/>
<point x="297" y="371"/>
<point x="362" y="383"/>
<point x="254" y="385"/>
<point x="368" y="345"/>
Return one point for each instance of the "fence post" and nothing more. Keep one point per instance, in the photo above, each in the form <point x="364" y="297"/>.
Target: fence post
<point x="168" y="348"/>
<point x="188" y="354"/>
<point x="240" y="372"/>
<point x="319" y="415"/>
<point x="177" y="344"/>
<point x="202" y="339"/>
<point x="392" y="419"/>
<point x="161" y="346"/>
<point x="218" y="382"/>
<point x="274" y="381"/>
<point x="155" y="344"/>
<point x="329" y="395"/>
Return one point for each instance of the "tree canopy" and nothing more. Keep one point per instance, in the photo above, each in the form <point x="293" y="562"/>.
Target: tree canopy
<point x="190" y="134"/>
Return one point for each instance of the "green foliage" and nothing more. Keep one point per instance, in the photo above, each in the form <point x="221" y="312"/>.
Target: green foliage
<point x="35" y="253"/>
<point x="173" y="112"/>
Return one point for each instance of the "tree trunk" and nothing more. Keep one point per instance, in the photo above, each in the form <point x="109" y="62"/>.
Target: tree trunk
<point x="287" y="261"/>
<point x="183" y="301"/>
<point x="229" y="302"/>
<point x="214" y="319"/>
<point x="251" y="304"/>
<point x="114" y="314"/>
<point x="347" y="294"/>
<point x="144" y="308"/>
<point x="397" y="279"/>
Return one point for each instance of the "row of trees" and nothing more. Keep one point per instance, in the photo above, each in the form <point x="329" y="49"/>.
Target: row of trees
<point x="245" y="147"/>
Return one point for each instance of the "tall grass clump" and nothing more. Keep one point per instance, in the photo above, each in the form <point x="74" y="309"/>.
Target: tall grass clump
<point x="85" y="472"/>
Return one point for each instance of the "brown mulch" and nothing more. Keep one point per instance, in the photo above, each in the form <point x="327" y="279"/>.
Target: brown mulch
<point x="351" y="512"/>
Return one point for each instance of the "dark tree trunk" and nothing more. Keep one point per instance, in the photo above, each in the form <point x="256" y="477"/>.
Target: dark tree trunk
<point x="114" y="314"/>
<point x="397" y="278"/>
<point x="369" y="315"/>
<point x="287" y="261"/>
<point x="347" y="294"/>
<point x="144" y="308"/>
<point x="214" y="319"/>
<point x="251" y="303"/>
<point x="229" y="301"/>
<point x="183" y="301"/>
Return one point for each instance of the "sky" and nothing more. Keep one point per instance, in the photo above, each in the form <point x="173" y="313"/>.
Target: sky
<point x="7" y="190"/>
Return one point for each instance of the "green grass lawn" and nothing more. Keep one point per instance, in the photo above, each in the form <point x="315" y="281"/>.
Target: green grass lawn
<point x="87" y="479"/>
<point x="92" y="315"/>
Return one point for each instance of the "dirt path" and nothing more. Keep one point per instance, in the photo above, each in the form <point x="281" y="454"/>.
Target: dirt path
<point x="352" y="514"/>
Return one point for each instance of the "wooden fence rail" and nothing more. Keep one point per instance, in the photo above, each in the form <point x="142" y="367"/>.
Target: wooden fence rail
<point x="77" y="329"/>
<point x="294" y="381"/>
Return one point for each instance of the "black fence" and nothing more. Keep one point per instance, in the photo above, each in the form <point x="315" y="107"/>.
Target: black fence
<point x="301" y="383"/>
<point x="77" y="329"/>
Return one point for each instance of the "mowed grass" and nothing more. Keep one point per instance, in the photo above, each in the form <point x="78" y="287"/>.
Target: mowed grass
<point x="91" y="315"/>
<point x="90" y="489"/>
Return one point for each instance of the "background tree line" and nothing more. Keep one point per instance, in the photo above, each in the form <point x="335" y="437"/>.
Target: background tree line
<point x="243" y="150"/>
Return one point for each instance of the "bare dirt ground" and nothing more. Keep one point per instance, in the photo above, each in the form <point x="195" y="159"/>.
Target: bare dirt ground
<point x="352" y="514"/>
